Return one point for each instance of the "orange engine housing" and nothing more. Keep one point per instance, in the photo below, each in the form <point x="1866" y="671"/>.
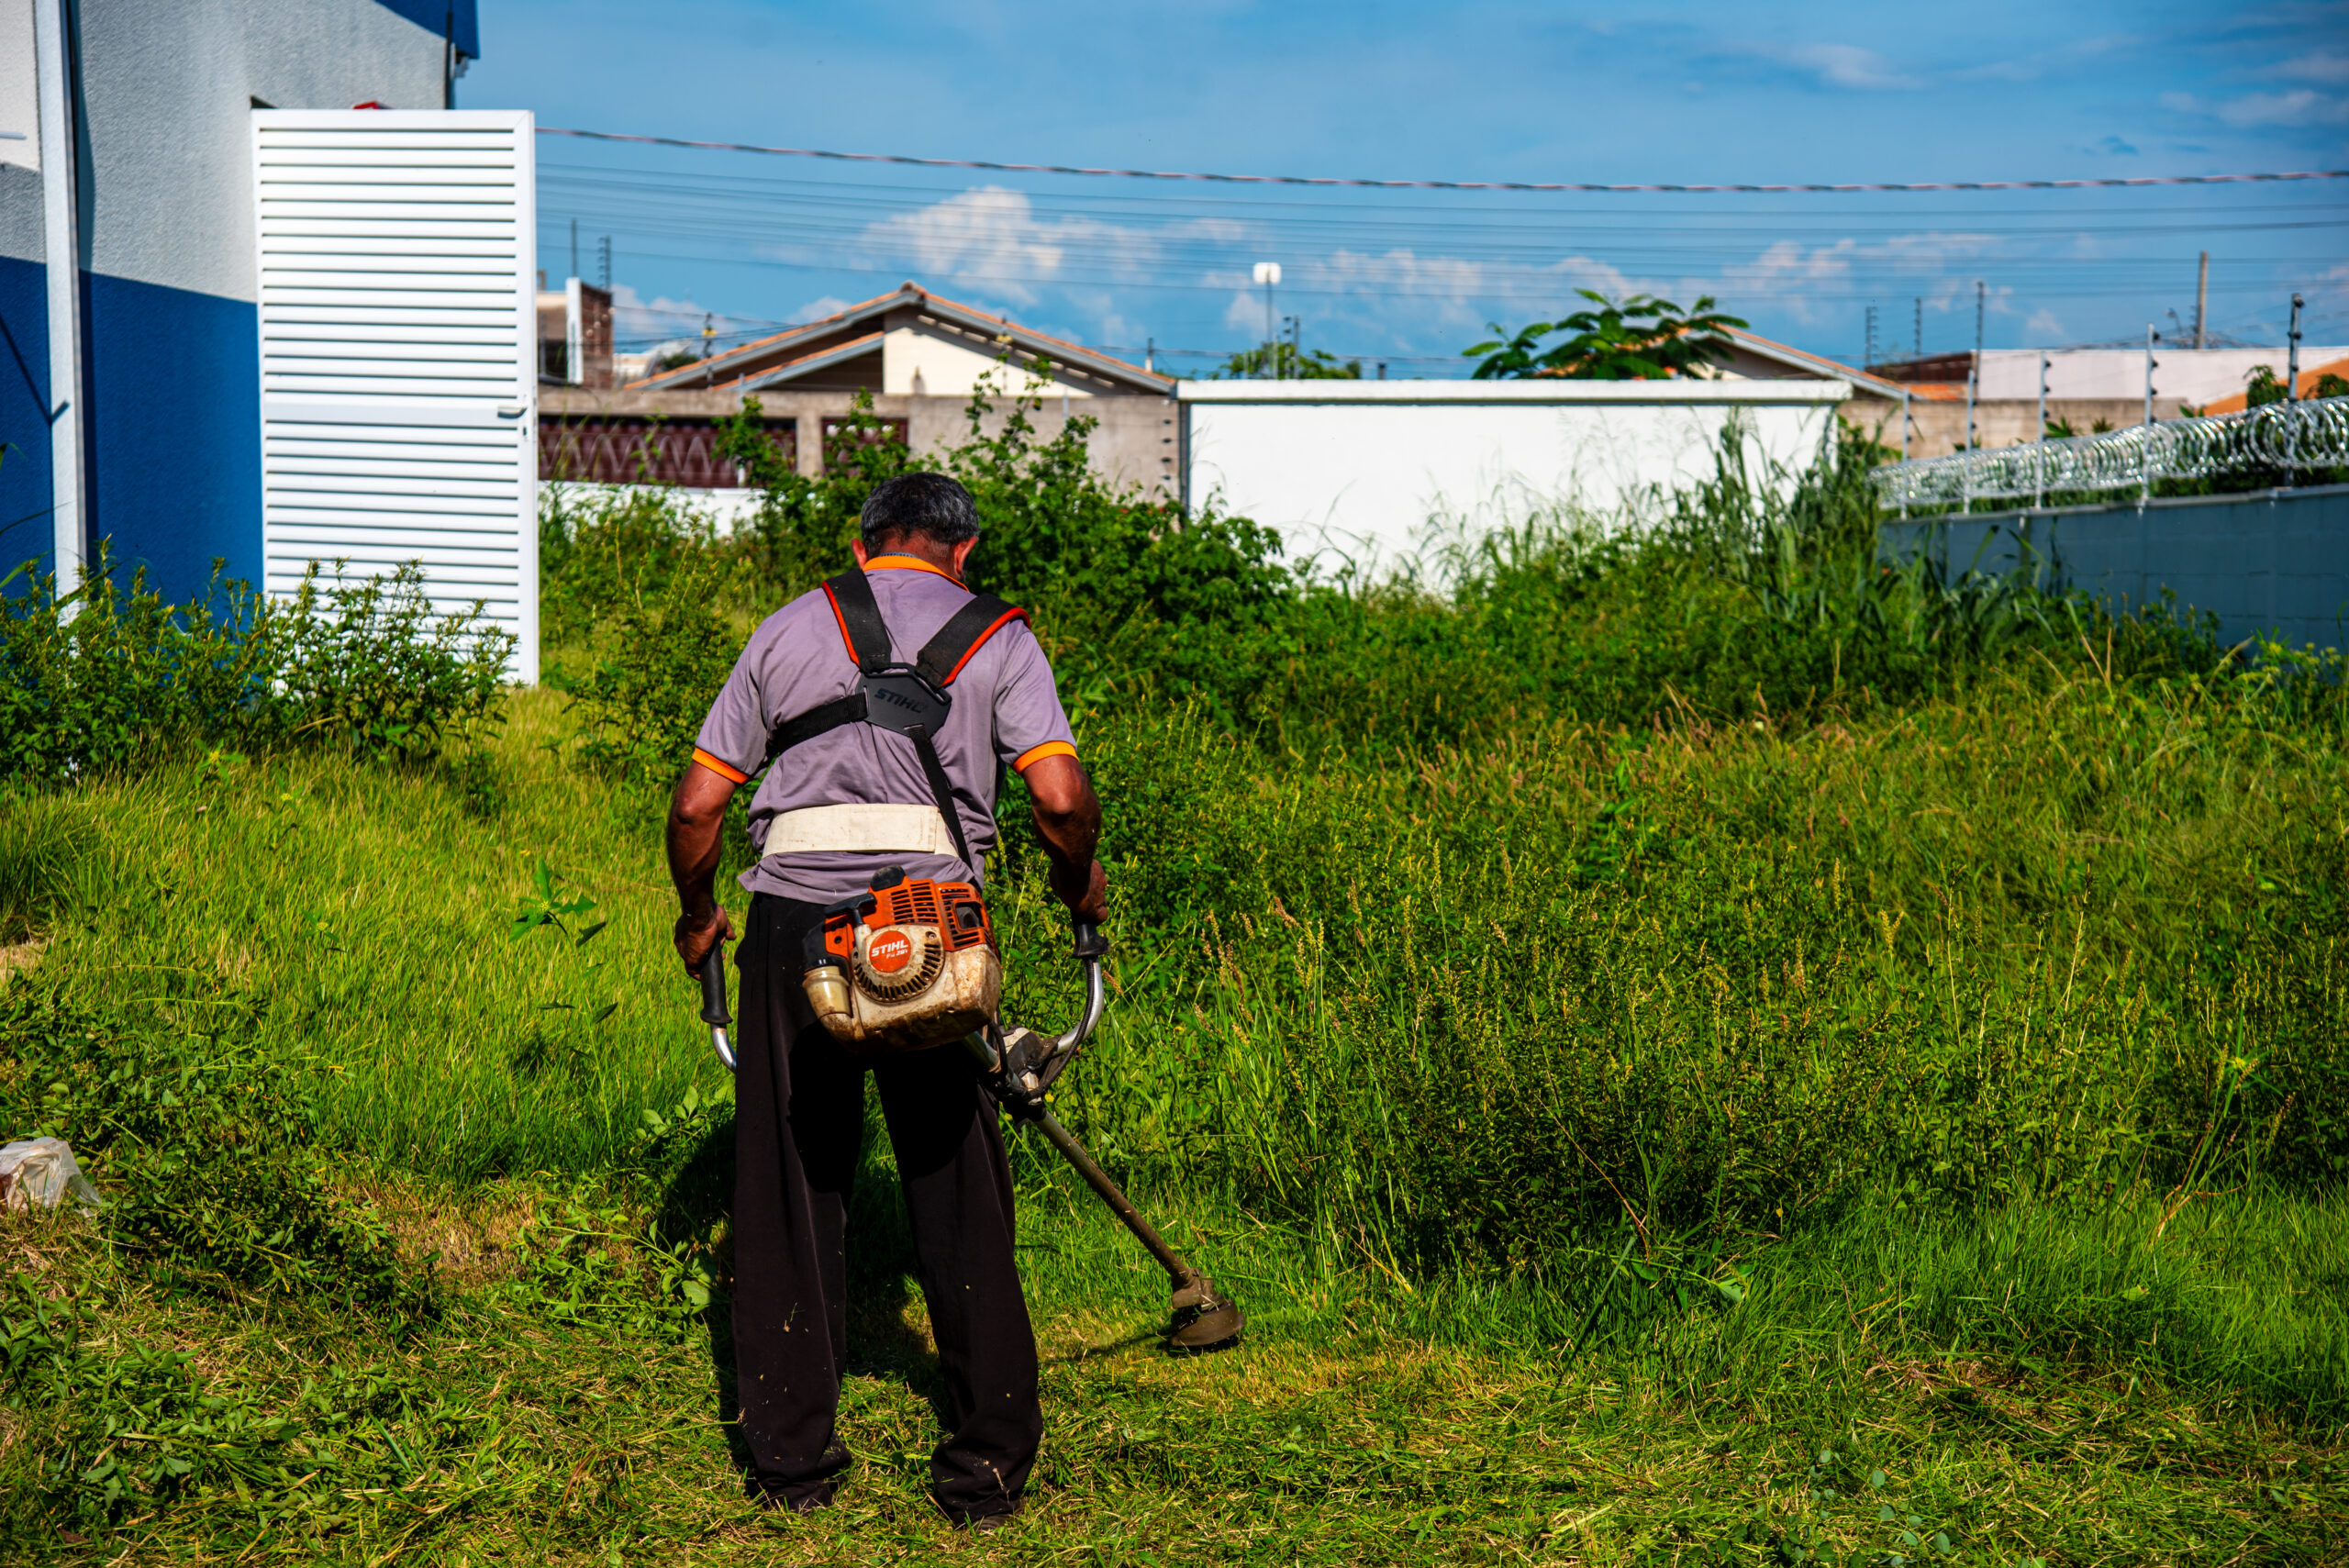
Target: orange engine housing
<point x="954" y="907"/>
<point x="906" y="967"/>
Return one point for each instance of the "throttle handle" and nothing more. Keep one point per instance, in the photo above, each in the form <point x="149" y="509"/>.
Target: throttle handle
<point x="714" y="1010"/>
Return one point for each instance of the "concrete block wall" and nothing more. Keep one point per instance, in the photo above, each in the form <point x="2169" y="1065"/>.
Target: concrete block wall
<point x="2270" y="563"/>
<point x="1937" y="429"/>
<point x="1136" y="442"/>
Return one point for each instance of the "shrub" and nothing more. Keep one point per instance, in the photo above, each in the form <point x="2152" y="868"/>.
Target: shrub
<point x="107" y="676"/>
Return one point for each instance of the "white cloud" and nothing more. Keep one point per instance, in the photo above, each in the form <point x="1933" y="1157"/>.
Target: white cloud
<point x="1843" y="65"/>
<point x="992" y="237"/>
<point x="2043" y="327"/>
<point x="2324" y="66"/>
<point x="816" y="309"/>
<point x="2301" y="105"/>
<point x="1791" y="275"/>
<point x="667" y="324"/>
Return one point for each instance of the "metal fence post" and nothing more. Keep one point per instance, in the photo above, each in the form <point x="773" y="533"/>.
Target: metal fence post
<point x="2292" y="399"/>
<point x="2039" y="456"/>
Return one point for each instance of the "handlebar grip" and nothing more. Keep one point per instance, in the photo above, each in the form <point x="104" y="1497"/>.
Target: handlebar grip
<point x="713" y="988"/>
<point x="1090" y="942"/>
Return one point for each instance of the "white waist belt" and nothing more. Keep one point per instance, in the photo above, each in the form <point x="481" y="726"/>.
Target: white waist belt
<point x="908" y="829"/>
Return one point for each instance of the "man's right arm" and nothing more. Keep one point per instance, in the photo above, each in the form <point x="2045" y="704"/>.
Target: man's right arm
<point x="1068" y="821"/>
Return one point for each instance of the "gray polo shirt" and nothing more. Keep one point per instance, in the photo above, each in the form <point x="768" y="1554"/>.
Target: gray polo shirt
<point x="1006" y="713"/>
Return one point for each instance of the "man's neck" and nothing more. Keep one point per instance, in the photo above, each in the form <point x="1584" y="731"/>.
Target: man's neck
<point x="928" y="551"/>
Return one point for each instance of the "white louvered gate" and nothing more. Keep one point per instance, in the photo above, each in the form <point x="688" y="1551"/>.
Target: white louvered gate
<point x="398" y="352"/>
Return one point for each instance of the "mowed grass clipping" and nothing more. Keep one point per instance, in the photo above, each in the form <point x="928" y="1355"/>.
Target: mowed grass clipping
<point x="1841" y="1414"/>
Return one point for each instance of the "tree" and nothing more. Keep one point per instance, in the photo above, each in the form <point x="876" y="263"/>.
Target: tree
<point x="1282" y="361"/>
<point x="1642" y="339"/>
<point x="2263" y="386"/>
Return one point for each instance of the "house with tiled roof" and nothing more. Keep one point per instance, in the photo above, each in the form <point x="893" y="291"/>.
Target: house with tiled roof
<point x="919" y="355"/>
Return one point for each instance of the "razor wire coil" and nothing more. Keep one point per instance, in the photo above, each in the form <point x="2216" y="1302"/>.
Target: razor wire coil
<point x="2309" y="433"/>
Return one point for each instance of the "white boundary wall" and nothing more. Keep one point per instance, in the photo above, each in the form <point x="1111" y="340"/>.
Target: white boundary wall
<point x="1359" y="470"/>
<point x="397" y="256"/>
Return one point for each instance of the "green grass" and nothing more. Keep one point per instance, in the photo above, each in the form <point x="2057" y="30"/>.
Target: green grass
<point x="1597" y="1133"/>
<point x="555" y="1416"/>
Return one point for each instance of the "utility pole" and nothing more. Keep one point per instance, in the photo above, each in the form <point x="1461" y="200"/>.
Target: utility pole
<point x="2145" y="466"/>
<point x="603" y="263"/>
<point x="1918" y="351"/>
<point x="574" y="247"/>
<point x="2039" y="458"/>
<point x="2202" y="299"/>
<point x="1149" y="354"/>
<point x="1868" y="356"/>
<point x="1973" y="371"/>
<point x="708" y="339"/>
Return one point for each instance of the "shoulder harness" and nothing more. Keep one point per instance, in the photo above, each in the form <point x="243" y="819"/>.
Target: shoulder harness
<point x="911" y="700"/>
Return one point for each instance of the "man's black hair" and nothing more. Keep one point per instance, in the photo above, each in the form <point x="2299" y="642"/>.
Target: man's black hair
<point x="929" y="506"/>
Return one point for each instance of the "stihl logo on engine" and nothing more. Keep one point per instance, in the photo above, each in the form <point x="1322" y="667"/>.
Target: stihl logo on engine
<point x="910" y="965"/>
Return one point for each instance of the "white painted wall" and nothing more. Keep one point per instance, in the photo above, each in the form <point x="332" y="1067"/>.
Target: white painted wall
<point x="2197" y="375"/>
<point x="1359" y="470"/>
<point x="950" y="366"/>
<point x="166" y="93"/>
<point x="727" y="511"/>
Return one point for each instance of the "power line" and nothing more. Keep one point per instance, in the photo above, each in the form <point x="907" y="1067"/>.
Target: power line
<point x="1578" y="186"/>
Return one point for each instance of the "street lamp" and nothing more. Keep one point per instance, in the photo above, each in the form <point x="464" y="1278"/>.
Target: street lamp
<point x="1268" y="274"/>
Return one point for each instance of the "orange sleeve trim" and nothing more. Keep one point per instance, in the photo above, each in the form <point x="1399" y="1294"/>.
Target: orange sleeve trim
<point x="907" y="563"/>
<point x="724" y="769"/>
<point x="1038" y="754"/>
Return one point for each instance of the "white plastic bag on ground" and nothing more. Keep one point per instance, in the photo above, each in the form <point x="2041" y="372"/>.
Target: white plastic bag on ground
<point x="39" y="1172"/>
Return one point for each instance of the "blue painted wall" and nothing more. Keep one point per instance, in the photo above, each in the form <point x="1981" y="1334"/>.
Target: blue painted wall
<point x="437" y="18"/>
<point x="172" y="380"/>
<point x="174" y="391"/>
<point x="2273" y="562"/>
<point x="24" y="415"/>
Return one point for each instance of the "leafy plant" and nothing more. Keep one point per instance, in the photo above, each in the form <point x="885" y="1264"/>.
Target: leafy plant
<point x="1280" y="360"/>
<point x="206" y="1149"/>
<point x="1638" y="338"/>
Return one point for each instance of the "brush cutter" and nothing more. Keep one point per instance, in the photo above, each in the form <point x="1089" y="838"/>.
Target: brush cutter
<point x="1020" y="1067"/>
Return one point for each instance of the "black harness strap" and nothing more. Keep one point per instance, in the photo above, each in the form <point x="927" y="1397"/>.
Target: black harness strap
<point x="820" y="720"/>
<point x="943" y="788"/>
<point x="941" y="658"/>
<point x="861" y="628"/>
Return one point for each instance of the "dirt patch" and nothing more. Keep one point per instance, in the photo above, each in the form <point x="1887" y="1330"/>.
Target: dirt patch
<point x="473" y="1238"/>
<point x="20" y="955"/>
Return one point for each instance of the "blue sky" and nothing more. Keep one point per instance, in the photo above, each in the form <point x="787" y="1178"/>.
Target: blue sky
<point x="1696" y="93"/>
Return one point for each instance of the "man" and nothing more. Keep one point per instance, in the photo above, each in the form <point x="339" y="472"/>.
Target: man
<point x="799" y="1114"/>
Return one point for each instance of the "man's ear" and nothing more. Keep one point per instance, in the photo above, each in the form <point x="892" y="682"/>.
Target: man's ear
<point x="963" y="554"/>
<point x="857" y="549"/>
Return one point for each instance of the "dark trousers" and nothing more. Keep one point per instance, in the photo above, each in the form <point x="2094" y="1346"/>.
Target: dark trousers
<point x="798" y="1125"/>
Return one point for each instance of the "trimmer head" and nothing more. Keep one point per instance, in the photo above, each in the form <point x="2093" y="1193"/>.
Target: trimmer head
<point x="1204" y="1318"/>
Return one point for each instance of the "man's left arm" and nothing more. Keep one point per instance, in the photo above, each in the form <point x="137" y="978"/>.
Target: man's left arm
<point x="1032" y="737"/>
